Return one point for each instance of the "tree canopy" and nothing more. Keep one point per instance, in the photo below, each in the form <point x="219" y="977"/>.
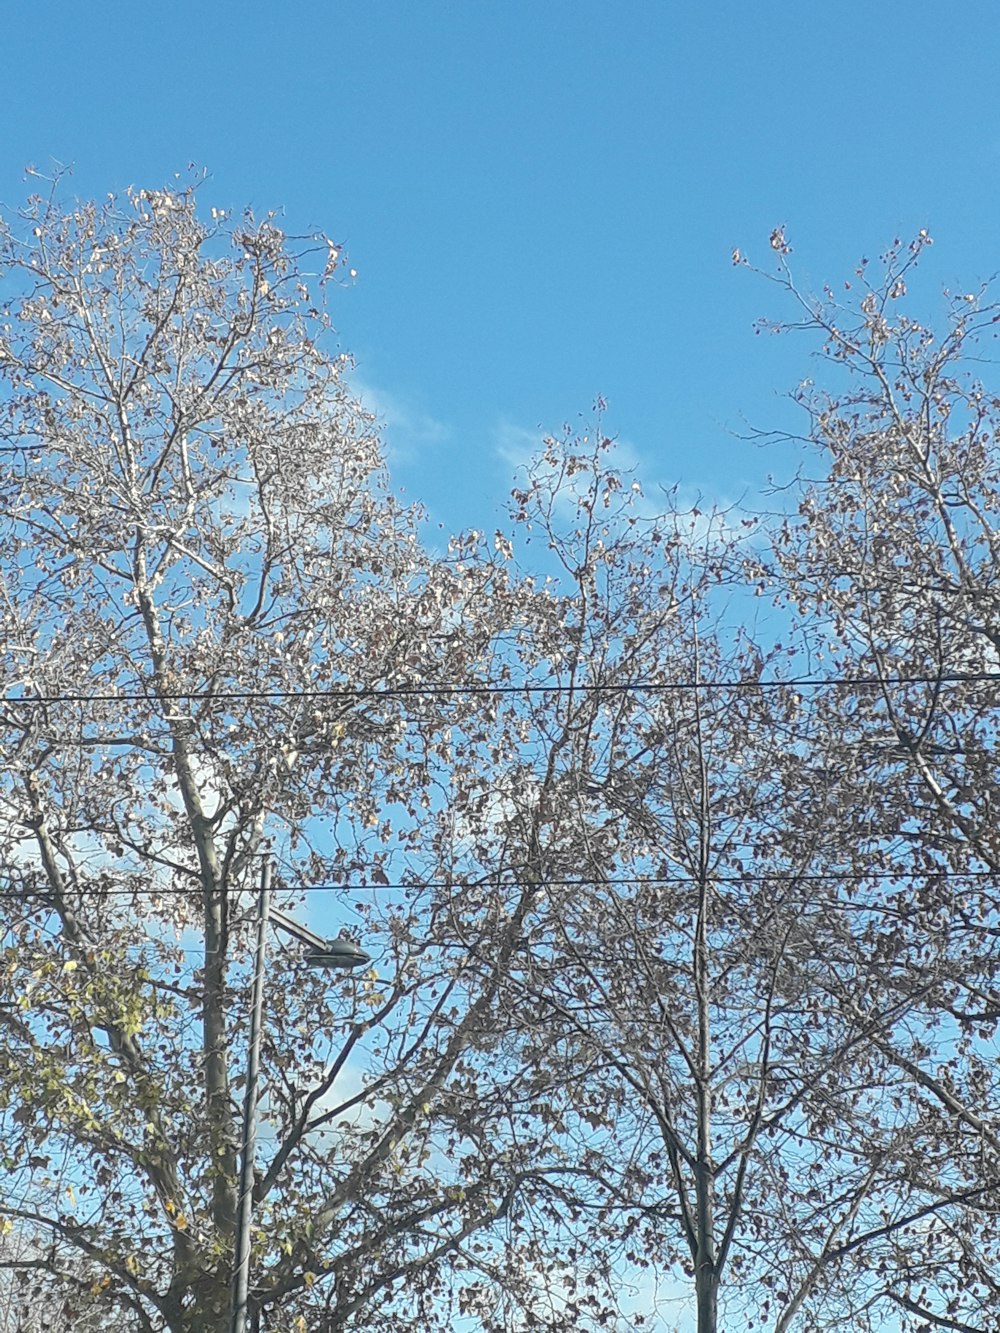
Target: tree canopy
<point x="669" y="832"/>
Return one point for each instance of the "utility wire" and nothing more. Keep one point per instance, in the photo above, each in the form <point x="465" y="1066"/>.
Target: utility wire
<point x="446" y="691"/>
<point x="784" y="877"/>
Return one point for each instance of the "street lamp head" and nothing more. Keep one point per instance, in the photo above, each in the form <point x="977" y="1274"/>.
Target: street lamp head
<point x="338" y="954"/>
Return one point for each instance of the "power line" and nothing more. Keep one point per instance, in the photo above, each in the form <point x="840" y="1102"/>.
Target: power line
<point x="348" y="694"/>
<point x="782" y="877"/>
<point x="775" y="877"/>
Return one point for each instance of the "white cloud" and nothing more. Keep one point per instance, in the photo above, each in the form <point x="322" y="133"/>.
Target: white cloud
<point x="715" y="514"/>
<point x="406" y="429"/>
<point x="516" y="445"/>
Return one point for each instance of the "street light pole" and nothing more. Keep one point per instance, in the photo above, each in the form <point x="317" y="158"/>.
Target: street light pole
<point x="335" y="955"/>
<point x="244" y="1211"/>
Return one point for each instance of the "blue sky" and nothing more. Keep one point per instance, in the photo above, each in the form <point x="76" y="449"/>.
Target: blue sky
<point x="541" y="199"/>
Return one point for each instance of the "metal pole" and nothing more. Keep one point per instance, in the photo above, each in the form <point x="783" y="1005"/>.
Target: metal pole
<point x="244" y="1212"/>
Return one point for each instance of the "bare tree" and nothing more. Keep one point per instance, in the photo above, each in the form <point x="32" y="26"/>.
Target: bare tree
<point x="215" y="626"/>
<point x="891" y="561"/>
<point x="724" y="960"/>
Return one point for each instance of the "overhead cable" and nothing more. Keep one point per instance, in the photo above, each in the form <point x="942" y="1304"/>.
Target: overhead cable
<point x="348" y="694"/>
<point x="777" y="877"/>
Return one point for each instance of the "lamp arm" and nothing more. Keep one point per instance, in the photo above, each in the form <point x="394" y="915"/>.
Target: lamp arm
<point x="297" y="931"/>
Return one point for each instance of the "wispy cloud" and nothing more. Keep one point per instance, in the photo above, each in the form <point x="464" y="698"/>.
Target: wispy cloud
<point x="406" y="429"/>
<point x="519" y="446"/>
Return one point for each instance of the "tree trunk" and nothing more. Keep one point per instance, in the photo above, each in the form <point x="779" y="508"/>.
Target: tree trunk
<point x="707" y="1291"/>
